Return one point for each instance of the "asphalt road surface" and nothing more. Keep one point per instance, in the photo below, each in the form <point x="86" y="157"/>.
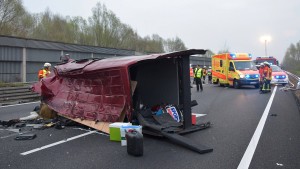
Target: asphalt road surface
<point x="249" y="130"/>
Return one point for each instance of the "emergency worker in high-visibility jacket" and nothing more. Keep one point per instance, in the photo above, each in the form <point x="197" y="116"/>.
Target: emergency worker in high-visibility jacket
<point x="45" y="71"/>
<point x="261" y="75"/>
<point x="267" y="77"/>
<point x="198" y="76"/>
<point x="209" y="74"/>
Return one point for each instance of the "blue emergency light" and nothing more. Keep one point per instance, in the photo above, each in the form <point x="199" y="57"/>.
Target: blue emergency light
<point x="232" y="55"/>
<point x="247" y="76"/>
<point x="257" y="76"/>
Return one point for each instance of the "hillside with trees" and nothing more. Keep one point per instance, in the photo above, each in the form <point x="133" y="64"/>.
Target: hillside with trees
<point x="291" y="60"/>
<point x="103" y="28"/>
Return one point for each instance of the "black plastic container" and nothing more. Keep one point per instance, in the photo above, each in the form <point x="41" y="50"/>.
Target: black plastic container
<point x="134" y="143"/>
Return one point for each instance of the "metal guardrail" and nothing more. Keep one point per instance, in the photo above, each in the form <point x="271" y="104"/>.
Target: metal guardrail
<point x="297" y="86"/>
<point x="13" y="95"/>
<point x="294" y="76"/>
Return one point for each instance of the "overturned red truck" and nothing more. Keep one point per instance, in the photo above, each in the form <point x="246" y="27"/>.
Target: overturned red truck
<point x="98" y="92"/>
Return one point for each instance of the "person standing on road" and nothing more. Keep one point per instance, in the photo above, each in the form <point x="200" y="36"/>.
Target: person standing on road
<point x="198" y="76"/>
<point x="209" y="74"/>
<point x="261" y="76"/>
<point x="45" y="71"/>
<point x="204" y="73"/>
<point x="267" y="77"/>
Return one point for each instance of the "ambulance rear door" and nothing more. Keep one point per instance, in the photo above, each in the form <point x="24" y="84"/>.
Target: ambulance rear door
<point x="218" y="69"/>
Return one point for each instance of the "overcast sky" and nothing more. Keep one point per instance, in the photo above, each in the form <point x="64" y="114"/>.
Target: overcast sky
<point x="236" y="25"/>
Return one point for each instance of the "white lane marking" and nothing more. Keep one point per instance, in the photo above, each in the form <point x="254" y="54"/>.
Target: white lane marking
<point x="56" y="143"/>
<point x="19" y="104"/>
<point x="246" y="160"/>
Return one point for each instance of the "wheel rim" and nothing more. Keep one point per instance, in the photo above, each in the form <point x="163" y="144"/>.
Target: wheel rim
<point x="235" y="84"/>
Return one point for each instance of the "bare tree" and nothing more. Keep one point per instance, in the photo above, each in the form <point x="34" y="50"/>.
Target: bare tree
<point x="103" y="28"/>
<point x="298" y="51"/>
<point x="291" y="60"/>
<point x="10" y="10"/>
<point x="175" y="44"/>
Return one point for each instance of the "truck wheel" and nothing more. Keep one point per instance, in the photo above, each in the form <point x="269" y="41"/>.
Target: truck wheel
<point x="236" y="84"/>
<point x="216" y="82"/>
<point x="221" y="84"/>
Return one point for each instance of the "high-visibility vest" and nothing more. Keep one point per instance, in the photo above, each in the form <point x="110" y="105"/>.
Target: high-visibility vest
<point x="261" y="72"/>
<point x="191" y="72"/>
<point x="198" y="73"/>
<point x="209" y="72"/>
<point x="268" y="72"/>
<point x="204" y="72"/>
<point x="43" y="73"/>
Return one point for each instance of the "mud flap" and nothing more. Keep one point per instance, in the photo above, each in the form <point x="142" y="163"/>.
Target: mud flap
<point x="178" y="139"/>
<point x="172" y="135"/>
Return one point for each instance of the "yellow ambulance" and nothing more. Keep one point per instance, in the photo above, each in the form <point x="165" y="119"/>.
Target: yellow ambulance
<point x="234" y="69"/>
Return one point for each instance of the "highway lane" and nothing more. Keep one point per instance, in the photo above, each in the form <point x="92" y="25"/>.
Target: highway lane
<point x="17" y="111"/>
<point x="280" y="140"/>
<point x="234" y="113"/>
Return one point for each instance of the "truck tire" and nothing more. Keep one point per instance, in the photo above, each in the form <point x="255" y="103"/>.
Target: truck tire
<point x="236" y="84"/>
<point x="221" y="84"/>
<point x="216" y="82"/>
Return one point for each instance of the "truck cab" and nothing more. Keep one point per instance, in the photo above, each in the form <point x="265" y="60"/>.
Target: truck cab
<point x="270" y="59"/>
<point x="234" y="69"/>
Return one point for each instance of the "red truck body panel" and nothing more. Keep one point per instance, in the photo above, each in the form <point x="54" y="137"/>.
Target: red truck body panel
<point x="98" y="90"/>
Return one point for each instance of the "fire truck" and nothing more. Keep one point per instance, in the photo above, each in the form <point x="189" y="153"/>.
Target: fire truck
<point x="270" y="59"/>
<point x="234" y="69"/>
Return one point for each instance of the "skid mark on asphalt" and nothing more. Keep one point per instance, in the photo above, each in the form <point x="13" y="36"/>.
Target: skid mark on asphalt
<point x="248" y="155"/>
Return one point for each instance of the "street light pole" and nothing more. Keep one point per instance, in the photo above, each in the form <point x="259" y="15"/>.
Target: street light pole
<point x="266" y="47"/>
<point x="265" y="39"/>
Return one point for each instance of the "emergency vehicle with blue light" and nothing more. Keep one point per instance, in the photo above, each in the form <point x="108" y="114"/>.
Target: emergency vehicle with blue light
<point x="270" y="59"/>
<point x="234" y="69"/>
<point x="279" y="76"/>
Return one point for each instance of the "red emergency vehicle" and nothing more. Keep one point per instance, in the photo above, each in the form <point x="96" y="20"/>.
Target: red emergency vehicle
<point x="270" y="59"/>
